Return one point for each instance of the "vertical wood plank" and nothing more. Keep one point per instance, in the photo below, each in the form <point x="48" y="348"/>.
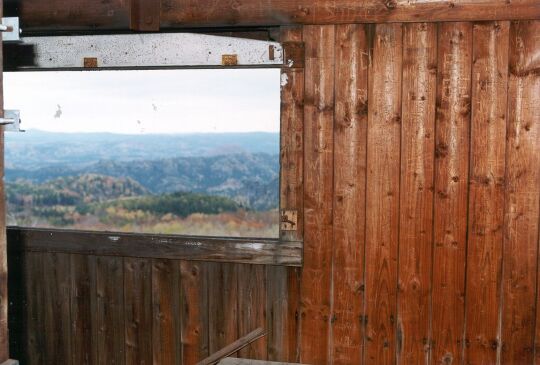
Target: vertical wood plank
<point x="451" y="185"/>
<point x="318" y="186"/>
<point x="350" y="141"/>
<point x="282" y="286"/>
<point x="4" y="330"/>
<point x="138" y="310"/>
<point x="194" y="310"/>
<point x="166" y="337"/>
<point x="83" y="310"/>
<point x="56" y="303"/>
<point x="416" y="198"/>
<point x="486" y="196"/>
<point x="382" y="195"/>
<point x="18" y="303"/>
<point x="282" y="297"/>
<point x="223" y="305"/>
<point x="252" y="308"/>
<point x="292" y="139"/>
<point x="522" y="194"/>
<point x="110" y="310"/>
<point x="35" y="313"/>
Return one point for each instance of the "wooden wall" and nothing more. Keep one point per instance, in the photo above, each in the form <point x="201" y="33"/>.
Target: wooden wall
<point x="75" y="309"/>
<point x="420" y="203"/>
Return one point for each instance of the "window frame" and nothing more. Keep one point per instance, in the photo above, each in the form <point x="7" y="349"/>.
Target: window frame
<point x="286" y="250"/>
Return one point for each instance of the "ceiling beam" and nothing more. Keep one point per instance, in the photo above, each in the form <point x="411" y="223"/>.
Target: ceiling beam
<point x="53" y="15"/>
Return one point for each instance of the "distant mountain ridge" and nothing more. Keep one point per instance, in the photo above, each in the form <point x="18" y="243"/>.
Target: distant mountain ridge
<point x="35" y="149"/>
<point x="250" y="179"/>
<point x="240" y="166"/>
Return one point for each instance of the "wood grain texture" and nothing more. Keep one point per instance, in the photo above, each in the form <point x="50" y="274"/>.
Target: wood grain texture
<point x="35" y="310"/>
<point x="56" y="303"/>
<point x="222" y="306"/>
<point x="194" y="310"/>
<point x="110" y="310"/>
<point x="451" y="187"/>
<point x="4" y="330"/>
<point x="138" y="310"/>
<point x="84" y="331"/>
<point x="145" y="15"/>
<point x="382" y="195"/>
<point x="522" y="194"/>
<point x="166" y="318"/>
<point x="74" y="14"/>
<point x="318" y="184"/>
<point x="416" y="197"/>
<point x="486" y="196"/>
<point x="18" y="301"/>
<point x="234" y="347"/>
<point x="422" y="146"/>
<point x="252" y="308"/>
<point x="38" y="15"/>
<point x="282" y="289"/>
<point x="292" y="139"/>
<point x="350" y="141"/>
<point x="185" y="13"/>
<point x="241" y="250"/>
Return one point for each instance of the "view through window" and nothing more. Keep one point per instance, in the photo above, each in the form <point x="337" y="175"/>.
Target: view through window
<point x="156" y="151"/>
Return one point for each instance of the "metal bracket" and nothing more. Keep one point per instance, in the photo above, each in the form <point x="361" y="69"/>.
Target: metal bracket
<point x="289" y="220"/>
<point x="11" y="121"/>
<point x="11" y="32"/>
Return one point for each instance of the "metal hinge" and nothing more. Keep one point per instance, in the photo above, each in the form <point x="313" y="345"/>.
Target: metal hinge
<point x="11" y="32"/>
<point x="11" y="121"/>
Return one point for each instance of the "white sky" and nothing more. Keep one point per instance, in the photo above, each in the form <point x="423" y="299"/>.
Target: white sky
<point x="156" y="101"/>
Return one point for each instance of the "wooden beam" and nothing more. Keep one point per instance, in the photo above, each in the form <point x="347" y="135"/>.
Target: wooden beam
<point x="40" y="15"/>
<point x="238" y="250"/>
<point x="144" y="15"/>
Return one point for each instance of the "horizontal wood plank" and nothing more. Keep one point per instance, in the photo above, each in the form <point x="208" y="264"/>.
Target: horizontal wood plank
<point x="238" y="250"/>
<point x="39" y="15"/>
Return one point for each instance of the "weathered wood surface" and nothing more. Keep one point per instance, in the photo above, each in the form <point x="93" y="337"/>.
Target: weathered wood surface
<point x="166" y="325"/>
<point x="236" y="346"/>
<point x="451" y="189"/>
<point x="4" y="332"/>
<point x="242" y="250"/>
<point x="448" y="195"/>
<point x="315" y="297"/>
<point x="486" y="191"/>
<point x="252" y="308"/>
<point x="145" y="15"/>
<point x="83" y="309"/>
<point x="40" y="15"/>
<point x="283" y="284"/>
<point x="110" y="310"/>
<point x="223" y="305"/>
<point x="349" y="216"/>
<point x="138" y="310"/>
<point x="57" y="313"/>
<point x="194" y="310"/>
<point x="416" y="198"/>
<point x="382" y="194"/>
<point x="235" y="361"/>
<point x="522" y="195"/>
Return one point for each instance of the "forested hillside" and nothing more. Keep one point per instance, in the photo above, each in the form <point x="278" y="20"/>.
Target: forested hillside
<point x="65" y="184"/>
